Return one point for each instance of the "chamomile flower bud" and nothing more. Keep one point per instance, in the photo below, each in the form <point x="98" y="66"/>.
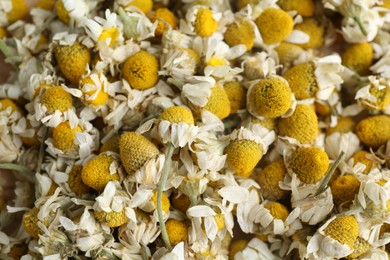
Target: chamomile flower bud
<point x="178" y="114"/>
<point x="363" y="158"/>
<point x="144" y="5"/>
<point x="374" y="131"/>
<point x="56" y="98"/>
<point x="269" y="98"/>
<point x="344" y="188"/>
<point x="309" y="164"/>
<point x="163" y="16"/>
<point x="112" y="145"/>
<point x="72" y="60"/>
<point x="240" y="32"/>
<point x="177" y="231"/>
<point x="181" y="203"/>
<point x="302" y="125"/>
<point x="141" y="70"/>
<point x="64" y="136"/>
<point x="302" y="80"/>
<point x="205" y="24"/>
<point x="30" y="223"/>
<point x="288" y="53"/>
<point x="305" y="8"/>
<point x="236" y="93"/>
<point x="165" y="203"/>
<point x="343" y="229"/>
<point x="93" y="89"/>
<point x="243" y="155"/>
<point x="112" y="218"/>
<point x="135" y="150"/>
<point x="269" y="179"/>
<point x="237" y="246"/>
<point x="360" y="247"/>
<point x="358" y="57"/>
<point x="275" y="25"/>
<point x="75" y="181"/>
<point x="277" y="210"/>
<point x="18" y="11"/>
<point x="315" y="30"/>
<point x="344" y="125"/>
<point x="97" y="173"/>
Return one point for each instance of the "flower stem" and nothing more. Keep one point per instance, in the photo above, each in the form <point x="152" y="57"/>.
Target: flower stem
<point x="360" y="24"/>
<point x="4" y="49"/>
<point x="160" y="187"/>
<point x="20" y="168"/>
<point x="41" y="149"/>
<point x="329" y="174"/>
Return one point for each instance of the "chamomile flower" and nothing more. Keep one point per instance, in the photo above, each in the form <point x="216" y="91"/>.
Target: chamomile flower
<point x="373" y="131"/>
<point x="375" y="95"/>
<point x="366" y="159"/>
<point x="314" y="29"/>
<point x="269" y="179"/>
<point x="240" y="32"/>
<point x="201" y="21"/>
<point x="71" y="10"/>
<point x="344" y="189"/>
<point x="144" y="6"/>
<point x="288" y="53"/>
<point x="260" y="65"/>
<point x="94" y="88"/>
<point x="304" y="8"/>
<point x="177" y="231"/>
<point x="12" y="10"/>
<point x="358" y="57"/>
<point x="165" y="17"/>
<point x="237" y="95"/>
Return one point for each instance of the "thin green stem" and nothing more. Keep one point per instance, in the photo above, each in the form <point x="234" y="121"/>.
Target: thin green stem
<point x="41" y="149"/>
<point x="20" y="168"/>
<point x="329" y="174"/>
<point x="361" y="26"/>
<point x="160" y="188"/>
<point x="4" y="49"/>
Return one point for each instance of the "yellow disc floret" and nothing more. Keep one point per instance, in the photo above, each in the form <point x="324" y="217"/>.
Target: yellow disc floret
<point x="165" y="203"/>
<point x="111" y="33"/>
<point x="275" y="25"/>
<point x="56" y="98"/>
<point x="236" y="93"/>
<point x="3" y="33"/>
<point x="344" y="189"/>
<point x="6" y="103"/>
<point x="62" y="13"/>
<point x="141" y="70"/>
<point x="270" y="98"/>
<point x="288" y="53"/>
<point x="374" y="131"/>
<point x="164" y="17"/>
<point x="269" y="179"/>
<point x="358" y="57"/>
<point x="302" y="80"/>
<point x="268" y="123"/>
<point x="277" y="210"/>
<point x="301" y="125"/>
<point x="135" y="150"/>
<point x="64" y="136"/>
<point x="112" y="145"/>
<point x="315" y="30"/>
<point x="237" y="246"/>
<point x="309" y="163"/>
<point x="177" y="231"/>
<point x="344" y="125"/>
<point x="100" y="98"/>
<point x="205" y="24"/>
<point x="360" y="247"/>
<point x="112" y="218"/>
<point x="361" y="157"/>
<point x="304" y="7"/>
<point x="18" y="11"/>
<point x="220" y="221"/>
<point x="144" y="5"/>
<point x="75" y="181"/>
<point x="72" y="60"/>
<point x="243" y="155"/>
<point x="240" y="32"/>
<point x="218" y="102"/>
<point x="178" y="114"/>
<point x="382" y="98"/>
<point x="30" y="223"/>
<point x="96" y="173"/>
<point x="343" y="229"/>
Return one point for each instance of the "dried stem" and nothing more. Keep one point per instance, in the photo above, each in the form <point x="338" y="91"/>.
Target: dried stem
<point x="329" y="174"/>
<point x="20" y="168"/>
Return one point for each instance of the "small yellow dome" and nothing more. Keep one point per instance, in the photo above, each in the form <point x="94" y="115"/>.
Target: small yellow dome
<point x="56" y="98"/>
<point x="177" y="231"/>
<point x="343" y="229"/>
<point x="111" y="219"/>
<point x="374" y="131"/>
<point x="344" y="189"/>
<point x="178" y="114"/>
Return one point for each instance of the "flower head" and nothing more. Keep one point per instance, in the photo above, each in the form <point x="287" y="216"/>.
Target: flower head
<point x="302" y="80"/>
<point x="75" y="181"/>
<point x="98" y="172"/>
<point x="111" y="144"/>
<point x="363" y="157"/>
<point x="358" y="57"/>
<point x="304" y="8"/>
<point x="93" y="87"/>
<point x="30" y="222"/>
<point x="144" y="5"/>
<point x="344" y="188"/>
<point x="240" y="32"/>
<point x="8" y="103"/>
<point x="165" y="203"/>
<point x="56" y="98"/>
<point x="236" y="93"/>
<point x="177" y="231"/>
<point x="181" y="202"/>
<point x="205" y="24"/>
<point x="64" y="136"/>
<point x="374" y="131"/>
<point x="343" y="229"/>
<point x="314" y="29"/>
<point x="275" y="25"/>
<point x="164" y="16"/>
<point x="18" y="11"/>
<point x="277" y="210"/>
<point x="269" y="179"/>
<point x="141" y="70"/>
<point x="237" y="246"/>
<point x="177" y="114"/>
<point x="344" y="125"/>
<point x="360" y="247"/>
<point x="112" y="218"/>
<point x="288" y="53"/>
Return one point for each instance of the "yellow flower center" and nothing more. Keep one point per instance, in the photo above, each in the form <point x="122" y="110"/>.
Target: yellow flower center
<point x="46" y="4"/>
<point x="344" y="125"/>
<point x="177" y="231"/>
<point x="302" y="80"/>
<point x="56" y="98"/>
<point x="30" y="223"/>
<point x="75" y="181"/>
<point x="240" y="32"/>
<point x="178" y="114"/>
<point x="303" y="7"/>
<point x="358" y="57"/>
<point x="288" y="53"/>
<point x="205" y="25"/>
<point x="344" y="188"/>
<point x="269" y="179"/>
<point x="6" y="103"/>
<point x="218" y="102"/>
<point x="164" y="16"/>
<point x="64" y="136"/>
<point x="343" y="229"/>
<point x="361" y="157"/>
<point x="236" y="93"/>
<point x="111" y="145"/>
<point x="216" y="61"/>
<point x="62" y="13"/>
<point x="144" y="5"/>
<point x="277" y="210"/>
<point x="18" y="11"/>
<point x="101" y="97"/>
<point x="374" y="131"/>
<point x="237" y="246"/>
<point x="111" y="33"/>
<point x="315" y="31"/>
<point x="3" y="33"/>
<point x="165" y="204"/>
<point x="360" y="247"/>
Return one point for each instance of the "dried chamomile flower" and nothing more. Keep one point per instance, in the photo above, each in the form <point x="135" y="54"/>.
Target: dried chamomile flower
<point x="30" y="223"/>
<point x="75" y="181"/>
<point x="269" y="98"/>
<point x="100" y="170"/>
<point x="112" y="218"/>
<point x="72" y="60"/>
<point x="237" y="246"/>
<point x="141" y="70"/>
<point x="277" y="210"/>
<point x="375" y="95"/>
<point x="269" y="179"/>
<point x="275" y="25"/>
<point x="8" y="103"/>
<point x="144" y="5"/>
<point x="164" y="17"/>
<point x="240" y="32"/>
<point x="336" y="238"/>
<point x="344" y="189"/>
<point x="204" y="24"/>
<point x="177" y="231"/>
<point x="18" y="10"/>
<point x="288" y="53"/>
<point x="64" y="136"/>
<point x="366" y="159"/>
<point x="302" y="125"/>
<point x="314" y="29"/>
<point x="374" y="131"/>
<point x="46" y="4"/>
<point x="56" y="98"/>
<point x="164" y="202"/>
<point x="111" y="144"/>
<point x="344" y="125"/>
<point x="304" y="8"/>
<point x="177" y="114"/>
<point x="94" y="88"/>
<point x="358" y="57"/>
<point x="309" y="164"/>
<point x="259" y="66"/>
<point x="236" y="93"/>
<point x="302" y="80"/>
<point x="135" y="150"/>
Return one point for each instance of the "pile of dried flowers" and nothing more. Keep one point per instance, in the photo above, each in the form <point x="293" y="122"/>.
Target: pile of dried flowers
<point x="196" y="129"/>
